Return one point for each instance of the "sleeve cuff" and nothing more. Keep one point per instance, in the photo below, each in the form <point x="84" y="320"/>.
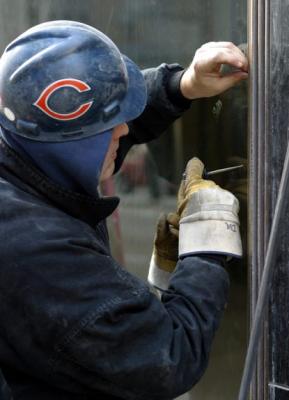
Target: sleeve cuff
<point x="173" y="88"/>
<point x="157" y="277"/>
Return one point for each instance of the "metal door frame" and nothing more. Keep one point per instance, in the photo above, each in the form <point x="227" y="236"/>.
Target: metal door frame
<point x="258" y="201"/>
<point x="268" y="35"/>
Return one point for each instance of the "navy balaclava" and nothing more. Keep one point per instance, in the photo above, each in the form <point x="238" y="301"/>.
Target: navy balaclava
<point x="75" y="165"/>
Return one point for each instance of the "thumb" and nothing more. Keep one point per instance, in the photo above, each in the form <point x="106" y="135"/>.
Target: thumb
<point x="174" y="220"/>
<point x="194" y="169"/>
<point x="162" y="225"/>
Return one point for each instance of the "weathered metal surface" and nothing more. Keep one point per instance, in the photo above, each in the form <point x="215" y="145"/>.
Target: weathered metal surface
<point x="269" y="118"/>
<point x="258" y="149"/>
<point x="278" y="138"/>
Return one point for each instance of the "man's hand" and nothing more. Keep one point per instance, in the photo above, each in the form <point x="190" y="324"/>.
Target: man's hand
<point x="206" y="222"/>
<point x="192" y="182"/>
<point x="209" y="220"/>
<point x="165" y="251"/>
<point x="204" y="77"/>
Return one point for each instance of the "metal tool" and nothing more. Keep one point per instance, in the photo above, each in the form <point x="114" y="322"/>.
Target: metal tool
<point x="220" y="171"/>
<point x="208" y="174"/>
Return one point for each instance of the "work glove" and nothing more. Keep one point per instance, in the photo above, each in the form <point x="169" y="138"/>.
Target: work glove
<point x="209" y="220"/>
<point x="165" y="251"/>
<point x="166" y="243"/>
<point x="206" y="221"/>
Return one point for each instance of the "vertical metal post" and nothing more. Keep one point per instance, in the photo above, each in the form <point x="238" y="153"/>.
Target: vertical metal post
<point x="258" y="35"/>
<point x="269" y="127"/>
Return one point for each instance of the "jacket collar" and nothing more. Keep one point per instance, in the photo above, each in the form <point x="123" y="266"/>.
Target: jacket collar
<point x="26" y="176"/>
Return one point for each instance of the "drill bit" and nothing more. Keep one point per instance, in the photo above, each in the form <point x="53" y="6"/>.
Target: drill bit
<point x="220" y="171"/>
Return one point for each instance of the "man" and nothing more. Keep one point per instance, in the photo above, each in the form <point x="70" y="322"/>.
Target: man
<point x="74" y="324"/>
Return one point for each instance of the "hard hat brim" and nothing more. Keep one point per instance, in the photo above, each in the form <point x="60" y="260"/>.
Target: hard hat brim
<point x="136" y="98"/>
<point x="131" y="106"/>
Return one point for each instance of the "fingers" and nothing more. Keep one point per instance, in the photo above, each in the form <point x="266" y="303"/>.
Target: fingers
<point x="173" y="219"/>
<point x="174" y="232"/>
<point x="225" y="52"/>
<point x="162" y="226"/>
<point x="167" y="223"/>
<point x="194" y="169"/>
<point x="194" y="180"/>
<point x="230" y="80"/>
<point x="167" y="229"/>
<point x="211" y="61"/>
<point x="225" y="45"/>
<point x="204" y="77"/>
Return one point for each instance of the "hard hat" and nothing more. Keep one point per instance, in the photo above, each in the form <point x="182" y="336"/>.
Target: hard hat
<point x="64" y="80"/>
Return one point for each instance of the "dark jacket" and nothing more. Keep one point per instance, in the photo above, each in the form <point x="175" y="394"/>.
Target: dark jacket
<point x="74" y="324"/>
<point x="5" y="392"/>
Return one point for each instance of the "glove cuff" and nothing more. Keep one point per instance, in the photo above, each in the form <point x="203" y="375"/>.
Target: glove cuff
<point x="158" y="276"/>
<point x="209" y="236"/>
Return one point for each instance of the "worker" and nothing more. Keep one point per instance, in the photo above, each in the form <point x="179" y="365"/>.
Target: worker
<point x="74" y="324"/>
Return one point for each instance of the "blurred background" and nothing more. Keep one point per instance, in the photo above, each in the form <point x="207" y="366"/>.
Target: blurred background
<point x="215" y="130"/>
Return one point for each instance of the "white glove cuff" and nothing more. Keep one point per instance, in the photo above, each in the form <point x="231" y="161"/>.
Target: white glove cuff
<point x="209" y="236"/>
<point x="211" y="224"/>
<point x="158" y="277"/>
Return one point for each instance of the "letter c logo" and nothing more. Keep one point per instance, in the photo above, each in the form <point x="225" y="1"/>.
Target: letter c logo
<point x="42" y="102"/>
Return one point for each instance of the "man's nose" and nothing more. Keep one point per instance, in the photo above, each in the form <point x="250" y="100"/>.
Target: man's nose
<point x="120" y="130"/>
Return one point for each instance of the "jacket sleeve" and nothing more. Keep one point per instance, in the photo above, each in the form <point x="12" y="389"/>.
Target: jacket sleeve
<point x="133" y="346"/>
<point x="164" y="105"/>
<point x="120" y="339"/>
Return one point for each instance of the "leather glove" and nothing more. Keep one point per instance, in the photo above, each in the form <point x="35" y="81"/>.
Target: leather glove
<point x="206" y="222"/>
<point x="166" y="245"/>
<point x="209" y="220"/>
<point x="165" y="251"/>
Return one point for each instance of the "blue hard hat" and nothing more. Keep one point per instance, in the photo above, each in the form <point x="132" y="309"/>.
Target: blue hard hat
<point x="64" y="80"/>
